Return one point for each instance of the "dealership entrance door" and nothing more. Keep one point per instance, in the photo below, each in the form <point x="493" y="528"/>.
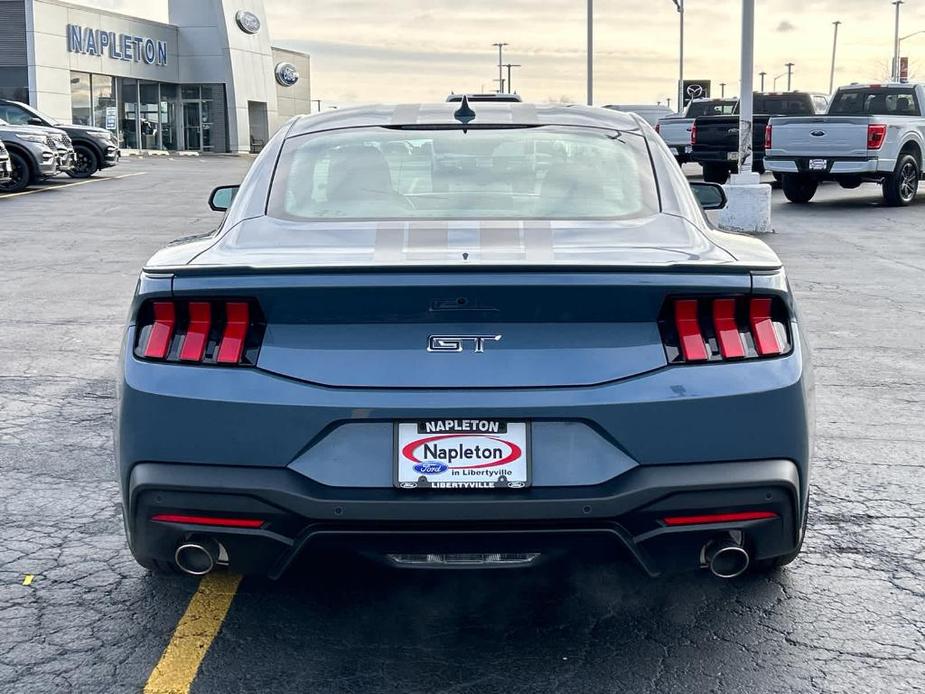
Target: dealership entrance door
<point x="259" y="126"/>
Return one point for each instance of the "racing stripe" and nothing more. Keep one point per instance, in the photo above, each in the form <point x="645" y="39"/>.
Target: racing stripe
<point x="390" y="238"/>
<point x="406" y="114"/>
<point x="430" y="237"/>
<point x="538" y="243"/>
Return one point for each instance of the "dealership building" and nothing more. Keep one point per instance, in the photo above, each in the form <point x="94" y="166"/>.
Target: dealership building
<point x="209" y="80"/>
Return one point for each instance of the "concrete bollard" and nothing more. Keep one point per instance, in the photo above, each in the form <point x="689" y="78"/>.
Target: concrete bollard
<point x="749" y="206"/>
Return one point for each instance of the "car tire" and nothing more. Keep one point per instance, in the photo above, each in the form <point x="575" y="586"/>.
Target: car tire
<point x="86" y="162"/>
<point x="799" y="189"/>
<point x="21" y="175"/>
<point x="900" y="187"/>
<point x="715" y="173"/>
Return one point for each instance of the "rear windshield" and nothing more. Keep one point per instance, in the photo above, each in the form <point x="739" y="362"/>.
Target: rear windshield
<point x="699" y="109"/>
<point x="784" y="105"/>
<point x="498" y="173"/>
<point x="875" y="102"/>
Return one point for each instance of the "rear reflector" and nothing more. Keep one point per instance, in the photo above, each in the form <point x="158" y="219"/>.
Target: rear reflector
<point x="165" y="321"/>
<point x="727" y="330"/>
<point x="762" y="326"/>
<point x="719" y="518"/>
<point x="688" y="326"/>
<point x="209" y="520"/>
<point x="232" y="344"/>
<point x="197" y="332"/>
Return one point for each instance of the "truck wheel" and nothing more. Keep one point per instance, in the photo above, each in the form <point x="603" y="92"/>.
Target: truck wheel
<point x="900" y="187"/>
<point x="799" y="189"/>
<point x="715" y="173"/>
<point x="21" y="174"/>
<point x="85" y="162"/>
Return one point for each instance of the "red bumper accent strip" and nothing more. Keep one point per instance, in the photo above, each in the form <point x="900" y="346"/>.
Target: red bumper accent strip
<point x="232" y="345"/>
<point x="165" y="320"/>
<point x="688" y="327"/>
<point x="719" y="518"/>
<point x="208" y="520"/>
<point x="763" y="327"/>
<point x="727" y="330"/>
<point x="197" y="333"/>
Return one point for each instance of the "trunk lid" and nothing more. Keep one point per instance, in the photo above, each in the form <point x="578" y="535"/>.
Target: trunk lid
<point x="512" y="329"/>
<point x="831" y="136"/>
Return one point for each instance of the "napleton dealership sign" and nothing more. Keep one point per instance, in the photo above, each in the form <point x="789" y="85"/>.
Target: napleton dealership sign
<point x="116" y="46"/>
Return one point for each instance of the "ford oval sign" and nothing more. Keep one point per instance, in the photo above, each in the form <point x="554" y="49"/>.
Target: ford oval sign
<point x="287" y="74"/>
<point x="247" y="21"/>
<point x="431" y="468"/>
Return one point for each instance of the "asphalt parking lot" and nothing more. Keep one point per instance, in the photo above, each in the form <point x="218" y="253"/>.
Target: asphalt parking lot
<point x="77" y="614"/>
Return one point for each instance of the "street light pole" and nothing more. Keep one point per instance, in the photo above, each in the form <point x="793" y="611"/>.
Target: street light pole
<point x="500" y="68"/>
<point x="510" y="89"/>
<point x="834" y="48"/>
<point x="590" y="52"/>
<point x="679" y="4"/>
<point x="789" y="75"/>
<point x="763" y="75"/>
<point x="722" y="90"/>
<point x="746" y="98"/>
<point x="895" y="77"/>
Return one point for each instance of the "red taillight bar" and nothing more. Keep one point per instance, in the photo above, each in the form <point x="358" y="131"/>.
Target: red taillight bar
<point x="165" y="320"/>
<point x="197" y="333"/>
<point x="876" y="134"/>
<point x="232" y="345"/>
<point x="768" y="136"/>
<point x="762" y="325"/>
<point x="209" y="520"/>
<point x="727" y="330"/>
<point x="694" y="134"/>
<point x="693" y="347"/>
<point x="718" y="518"/>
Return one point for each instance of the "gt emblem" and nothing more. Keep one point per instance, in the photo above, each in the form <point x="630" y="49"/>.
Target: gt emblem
<point x="457" y="343"/>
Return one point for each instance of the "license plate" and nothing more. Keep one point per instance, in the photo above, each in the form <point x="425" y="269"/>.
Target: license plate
<point x="732" y="156"/>
<point x="818" y="164"/>
<point x="688" y="149"/>
<point x="462" y="454"/>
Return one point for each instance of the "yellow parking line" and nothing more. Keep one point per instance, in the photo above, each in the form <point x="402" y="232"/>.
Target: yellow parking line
<point x="68" y="185"/>
<point x="197" y="628"/>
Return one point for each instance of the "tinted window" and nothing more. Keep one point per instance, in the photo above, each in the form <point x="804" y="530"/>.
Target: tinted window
<point x="784" y="105"/>
<point x="875" y="102"/>
<point x="711" y="108"/>
<point x="511" y="173"/>
<point x="14" y="115"/>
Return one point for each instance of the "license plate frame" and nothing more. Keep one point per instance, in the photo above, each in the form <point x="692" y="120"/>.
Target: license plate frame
<point x="732" y="156"/>
<point x="449" y="435"/>
<point x="818" y="164"/>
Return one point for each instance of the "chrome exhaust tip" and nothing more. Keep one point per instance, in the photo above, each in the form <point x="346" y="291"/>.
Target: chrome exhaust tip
<point x="197" y="557"/>
<point x="726" y="559"/>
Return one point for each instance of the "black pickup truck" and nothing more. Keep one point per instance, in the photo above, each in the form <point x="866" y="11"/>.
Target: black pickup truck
<point x="715" y="139"/>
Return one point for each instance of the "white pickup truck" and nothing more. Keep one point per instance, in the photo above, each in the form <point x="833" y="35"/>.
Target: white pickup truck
<point x="676" y="130"/>
<point x="872" y="133"/>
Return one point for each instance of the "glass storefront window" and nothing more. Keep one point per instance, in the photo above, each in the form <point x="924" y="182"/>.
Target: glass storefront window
<point x="104" y="103"/>
<point x="128" y="113"/>
<point x="189" y="91"/>
<point x="81" y="110"/>
<point x="169" y="116"/>
<point x="149" y="113"/>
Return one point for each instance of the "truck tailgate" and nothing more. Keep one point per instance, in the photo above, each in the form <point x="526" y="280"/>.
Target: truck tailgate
<point x="676" y="132"/>
<point x="829" y="136"/>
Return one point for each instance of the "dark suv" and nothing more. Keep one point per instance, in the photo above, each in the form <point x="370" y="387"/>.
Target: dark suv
<point x="94" y="148"/>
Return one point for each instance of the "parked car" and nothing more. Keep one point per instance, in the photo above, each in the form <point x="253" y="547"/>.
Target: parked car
<point x="484" y="98"/>
<point x="33" y="155"/>
<point x="873" y="133"/>
<point x="6" y="168"/>
<point x="94" y="148"/>
<point x="650" y="113"/>
<point x="676" y="129"/>
<point x="581" y="358"/>
<point x="715" y="139"/>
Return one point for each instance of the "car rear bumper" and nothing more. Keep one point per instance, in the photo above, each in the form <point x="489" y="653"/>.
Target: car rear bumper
<point x="834" y="165"/>
<point x="622" y="517"/>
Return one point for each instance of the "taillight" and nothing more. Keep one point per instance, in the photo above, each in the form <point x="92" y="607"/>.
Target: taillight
<point x="694" y="134"/>
<point x="768" y="136"/>
<point x="698" y="330"/>
<point x="876" y="134"/>
<point x="200" y="332"/>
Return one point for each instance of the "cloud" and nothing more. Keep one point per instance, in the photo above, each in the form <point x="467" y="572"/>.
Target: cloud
<point x="785" y="27"/>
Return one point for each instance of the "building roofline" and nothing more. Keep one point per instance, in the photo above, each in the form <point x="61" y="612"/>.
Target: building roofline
<point x="110" y="13"/>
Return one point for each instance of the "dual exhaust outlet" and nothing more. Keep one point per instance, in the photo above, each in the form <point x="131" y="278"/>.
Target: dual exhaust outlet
<point x="726" y="558"/>
<point x="198" y="556"/>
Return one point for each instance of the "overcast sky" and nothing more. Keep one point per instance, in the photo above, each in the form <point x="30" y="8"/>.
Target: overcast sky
<point x="412" y="50"/>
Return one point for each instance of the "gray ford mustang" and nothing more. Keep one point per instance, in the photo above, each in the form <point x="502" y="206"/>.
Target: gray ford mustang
<point x="465" y="336"/>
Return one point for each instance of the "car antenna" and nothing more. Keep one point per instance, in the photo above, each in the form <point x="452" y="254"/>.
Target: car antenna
<point x="464" y="114"/>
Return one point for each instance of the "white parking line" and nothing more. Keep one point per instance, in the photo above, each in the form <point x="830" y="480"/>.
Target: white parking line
<point x="68" y="185"/>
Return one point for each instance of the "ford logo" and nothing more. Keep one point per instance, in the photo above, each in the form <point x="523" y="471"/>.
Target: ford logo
<point x="430" y="468"/>
<point x="817" y="133"/>
<point x="287" y="74"/>
<point x="247" y="21"/>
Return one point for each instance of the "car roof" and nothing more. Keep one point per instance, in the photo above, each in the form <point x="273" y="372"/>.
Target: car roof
<point x="486" y="115"/>
<point x="474" y="98"/>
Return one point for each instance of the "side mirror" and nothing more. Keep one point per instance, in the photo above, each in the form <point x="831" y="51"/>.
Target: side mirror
<point x="35" y="121"/>
<point x="222" y="197"/>
<point x="711" y="196"/>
